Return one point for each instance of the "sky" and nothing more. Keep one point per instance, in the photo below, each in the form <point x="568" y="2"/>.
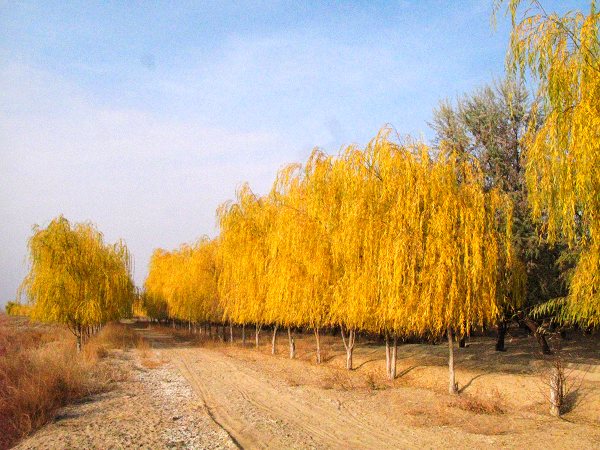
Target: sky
<point x="143" y="117"/>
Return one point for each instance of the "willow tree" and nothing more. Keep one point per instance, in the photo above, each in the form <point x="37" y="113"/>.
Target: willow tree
<point x="204" y="276"/>
<point x="355" y="245"/>
<point x="403" y="177"/>
<point x="160" y="286"/>
<point x="154" y="306"/>
<point x="467" y="248"/>
<point x="286" y="277"/>
<point x="156" y="284"/>
<point x="488" y="125"/>
<point x="300" y="275"/>
<point x="244" y="258"/>
<point x="75" y="278"/>
<point x="562" y="151"/>
<point x="321" y="202"/>
<point x="178" y="288"/>
<point x="442" y="257"/>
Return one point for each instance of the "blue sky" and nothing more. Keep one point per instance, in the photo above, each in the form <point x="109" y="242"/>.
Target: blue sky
<point x="143" y="117"/>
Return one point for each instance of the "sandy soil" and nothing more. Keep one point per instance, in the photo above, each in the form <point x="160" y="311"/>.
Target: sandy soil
<point x="222" y="396"/>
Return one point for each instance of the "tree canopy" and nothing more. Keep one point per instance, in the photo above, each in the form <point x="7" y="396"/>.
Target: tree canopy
<point x="75" y="278"/>
<point x="562" y="150"/>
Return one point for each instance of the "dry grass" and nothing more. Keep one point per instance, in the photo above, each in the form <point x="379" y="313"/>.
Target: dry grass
<point x="337" y="379"/>
<point x="491" y="404"/>
<point x="40" y="371"/>
<point x="148" y="359"/>
<point x="473" y="414"/>
<point x="116" y="335"/>
<point x="150" y="363"/>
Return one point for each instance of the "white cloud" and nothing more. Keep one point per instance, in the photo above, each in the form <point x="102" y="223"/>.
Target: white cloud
<point x="152" y="181"/>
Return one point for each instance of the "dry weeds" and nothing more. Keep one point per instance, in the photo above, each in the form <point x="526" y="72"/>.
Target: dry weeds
<point x="490" y="404"/>
<point x="118" y="336"/>
<point x="40" y="371"/>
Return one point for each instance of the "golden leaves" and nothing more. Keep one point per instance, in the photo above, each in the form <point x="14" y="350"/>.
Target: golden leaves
<point x="183" y="283"/>
<point x="383" y="238"/>
<point x="75" y="278"/>
<point x="562" y="148"/>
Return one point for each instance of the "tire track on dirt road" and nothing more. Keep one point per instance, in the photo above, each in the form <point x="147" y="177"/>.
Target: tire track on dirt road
<point x="259" y="413"/>
<point x="319" y="412"/>
<point x="209" y="403"/>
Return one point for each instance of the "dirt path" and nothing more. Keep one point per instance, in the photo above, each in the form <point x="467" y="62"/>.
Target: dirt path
<point x="259" y="406"/>
<point x="260" y="412"/>
<point x="257" y="413"/>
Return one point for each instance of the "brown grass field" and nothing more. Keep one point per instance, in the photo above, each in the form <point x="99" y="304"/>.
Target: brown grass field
<point x="40" y="372"/>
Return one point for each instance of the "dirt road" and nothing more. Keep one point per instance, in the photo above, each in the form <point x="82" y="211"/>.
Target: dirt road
<point x="258" y="401"/>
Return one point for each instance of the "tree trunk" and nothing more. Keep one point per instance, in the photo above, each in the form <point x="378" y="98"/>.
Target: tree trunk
<point x="453" y="387"/>
<point x="257" y="334"/>
<point x="462" y="343"/>
<point x="556" y="390"/>
<point x="393" y="358"/>
<point x="502" y="326"/>
<point x="244" y="334"/>
<point x="274" y="340"/>
<point x="388" y="355"/>
<point x="292" y="344"/>
<point x="78" y="337"/>
<point x="349" y="346"/>
<point x="230" y="332"/>
<point x="318" y="339"/>
<point x="533" y="327"/>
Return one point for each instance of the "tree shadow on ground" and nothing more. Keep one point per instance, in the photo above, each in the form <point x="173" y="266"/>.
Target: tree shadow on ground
<point x="463" y="388"/>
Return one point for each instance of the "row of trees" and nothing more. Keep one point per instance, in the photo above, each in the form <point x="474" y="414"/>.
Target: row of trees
<point x="77" y="279"/>
<point x="384" y="239"/>
<point x="499" y="221"/>
<point x="182" y="284"/>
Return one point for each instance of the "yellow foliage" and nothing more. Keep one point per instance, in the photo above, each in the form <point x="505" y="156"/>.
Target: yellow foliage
<point x="182" y="284"/>
<point x="17" y="309"/>
<point x="75" y="278"/>
<point x="244" y="257"/>
<point x="380" y="239"/>
<point x="563" y="146"/>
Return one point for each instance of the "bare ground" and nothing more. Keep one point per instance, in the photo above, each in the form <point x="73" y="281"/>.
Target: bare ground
<point x="155" y="407"/>
<point x="181" y="395"/>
